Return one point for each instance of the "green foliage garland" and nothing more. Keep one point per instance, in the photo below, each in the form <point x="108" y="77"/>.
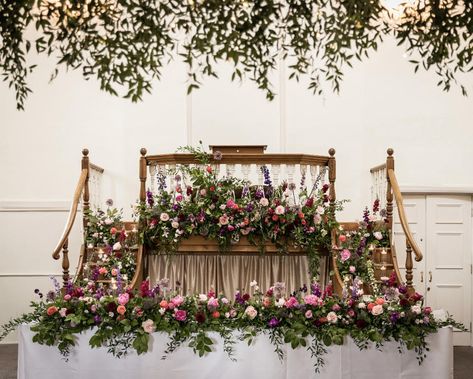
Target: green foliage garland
<point x="125" y="44"/>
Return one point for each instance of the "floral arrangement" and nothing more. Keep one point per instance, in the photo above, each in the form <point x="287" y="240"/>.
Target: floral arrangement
<point x="356" y="246"/>
<point x="226" y="209"/>
<point x="311" y="318"/>
<point x="110" y="245"/>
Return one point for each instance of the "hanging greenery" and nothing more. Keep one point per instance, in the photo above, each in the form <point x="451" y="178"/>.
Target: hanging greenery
<point x="125" y="44"/>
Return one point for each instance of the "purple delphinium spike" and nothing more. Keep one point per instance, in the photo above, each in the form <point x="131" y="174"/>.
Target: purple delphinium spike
<point x="361" y="247"/>
<point x="57" y="286"/>
<point x="119" y="281"/>
<point x="149" y="198"/>
<point x="69" y="287"/>
<point x="315" y="288"/>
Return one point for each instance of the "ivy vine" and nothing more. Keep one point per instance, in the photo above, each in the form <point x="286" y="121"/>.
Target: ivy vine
<point x="125" y="44"/>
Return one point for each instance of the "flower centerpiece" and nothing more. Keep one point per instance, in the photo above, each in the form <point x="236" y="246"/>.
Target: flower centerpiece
<point x="227" y="209"/>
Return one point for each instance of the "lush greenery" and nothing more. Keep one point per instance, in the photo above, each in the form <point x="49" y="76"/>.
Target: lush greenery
<point x="310" y="318"/>
<point x="125" y="44"/>
<point x="227" y="209"/>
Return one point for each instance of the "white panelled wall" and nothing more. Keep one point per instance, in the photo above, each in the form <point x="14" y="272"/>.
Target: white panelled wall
<point x="382" y="104"/>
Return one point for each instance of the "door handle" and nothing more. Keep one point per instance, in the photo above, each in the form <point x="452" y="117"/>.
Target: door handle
<point x="422" y="276"/>
<point x="430" y="276"/>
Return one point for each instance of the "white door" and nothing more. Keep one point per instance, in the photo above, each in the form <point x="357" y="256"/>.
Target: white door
<point x="448" y="258"/>
<point x="414" y="206"/>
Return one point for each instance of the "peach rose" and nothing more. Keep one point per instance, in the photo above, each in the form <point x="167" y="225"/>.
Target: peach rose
<point x="51" y="310"/>
<point x="380" y="301"/>
<point x="164" y="304"/>
<point x="121" y="309"/>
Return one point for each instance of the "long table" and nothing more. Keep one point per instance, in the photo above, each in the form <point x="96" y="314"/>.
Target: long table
<point x="257" y="361"/>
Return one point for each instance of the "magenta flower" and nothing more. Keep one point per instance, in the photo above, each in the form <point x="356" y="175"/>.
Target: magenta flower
<point x="291" y="302"/>
<point x="180" y="315"/>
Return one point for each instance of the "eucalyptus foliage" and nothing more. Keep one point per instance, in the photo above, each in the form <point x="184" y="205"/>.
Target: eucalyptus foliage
<point x="125" y="44"/>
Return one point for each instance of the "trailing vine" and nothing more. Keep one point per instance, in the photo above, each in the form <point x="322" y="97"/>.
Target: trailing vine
<point x="125" y="44"/>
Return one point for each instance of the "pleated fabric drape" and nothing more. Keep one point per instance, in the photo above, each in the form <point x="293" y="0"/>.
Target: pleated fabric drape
<point x="228" y="272"/>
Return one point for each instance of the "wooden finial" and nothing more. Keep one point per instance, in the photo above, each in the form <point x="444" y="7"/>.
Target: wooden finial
<point x="331" y="151"/>
<point x="143" y="151"/>
<point x="85" y="152"/>
<point x="390" y="152"/>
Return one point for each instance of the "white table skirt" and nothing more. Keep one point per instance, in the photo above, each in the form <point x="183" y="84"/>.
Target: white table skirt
<point x="257" y="361"/>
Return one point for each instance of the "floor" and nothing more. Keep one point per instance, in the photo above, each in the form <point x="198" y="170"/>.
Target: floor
<point x="463" y="362"/>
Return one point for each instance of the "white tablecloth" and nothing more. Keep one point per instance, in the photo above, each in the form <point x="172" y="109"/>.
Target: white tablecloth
<point x="257" y="361"/>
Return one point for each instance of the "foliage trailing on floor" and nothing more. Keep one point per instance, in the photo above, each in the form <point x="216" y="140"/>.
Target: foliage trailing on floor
<point x="125" y="44"/>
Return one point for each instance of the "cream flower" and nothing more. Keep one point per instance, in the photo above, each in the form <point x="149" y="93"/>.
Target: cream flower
<point x="251" y="312"/>
<point x="148" y="326"/>
<point x="332" y="317"/>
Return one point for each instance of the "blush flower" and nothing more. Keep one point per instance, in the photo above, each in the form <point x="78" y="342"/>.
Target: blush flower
<point x="332" y="317"/>
<point x="223" y="220"/>
<point x="251" y="312"/>
<point x="279" y="210"/>
<point x="177" y="300"/>
<point x="308" y="314"/>
<point x="148" y="326"/>
<point x="311" y="300"/>
<point x="377" y="310"/>
<point x="264" y="202"/>
<point x="164" y="217"/>
<point x="345" y="255"/>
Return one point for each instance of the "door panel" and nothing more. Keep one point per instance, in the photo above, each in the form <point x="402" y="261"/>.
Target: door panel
<point x="448" y="257"/>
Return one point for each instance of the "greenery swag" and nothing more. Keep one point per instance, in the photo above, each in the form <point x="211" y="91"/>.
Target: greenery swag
<point x="125" y="44"/>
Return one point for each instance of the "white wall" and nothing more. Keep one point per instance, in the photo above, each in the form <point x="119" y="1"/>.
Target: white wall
<point x="382" y="104"/>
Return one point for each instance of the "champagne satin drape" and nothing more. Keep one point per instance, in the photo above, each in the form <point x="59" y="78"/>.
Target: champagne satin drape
<point x="227" y="272"/>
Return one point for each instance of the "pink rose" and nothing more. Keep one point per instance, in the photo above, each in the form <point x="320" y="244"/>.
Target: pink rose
<point x="279" y="210"/>
<point x="148" y="326"/>
<point x="377" y="310"/>
<point x="121" y="309"/>
<point x="266" y="302"/>
<point x="251" y="312"/>
<point x="203" y="192"/>
<point x="230" y="228"/>
<point x="345" y="255"/>
<point x="336" y="308"/>
<point x="352" y="269"/>
<point x="180" y="315"/>
<point x="223" y="220"/>
<point x="179" y="198"/>
<point x="427" y="310"/>
<point x="264" y="202"/>
<point x="93" y="308"/>
<point x="308" y="314"/>
<point x="230" y="203"/>
<point x="63" y="312"/>
<point x="291" y="302"/>
<point x="67" y="297"/>
<point x="212" y="303"/>
<point x="123" y="298"/>
<point x="102" y="270"/>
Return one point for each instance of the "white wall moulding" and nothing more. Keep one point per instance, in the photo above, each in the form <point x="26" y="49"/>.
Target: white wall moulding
<point x="427" y="190"/>
<point x="34" y="206"/>
<point x="29" y="275"/>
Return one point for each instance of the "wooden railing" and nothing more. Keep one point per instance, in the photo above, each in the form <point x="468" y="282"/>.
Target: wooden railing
<point x="82" y="188"/>
<point x="393" y="193"/>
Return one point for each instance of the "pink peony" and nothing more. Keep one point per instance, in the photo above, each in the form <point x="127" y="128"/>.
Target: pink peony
<point x="148" y="326"/>
<point x="180" y="315"/>
<point x="311" y="300"/>
<point x="345" y="255"/>
<point x="291" y="302"/>
<point x="123" y="298"/>
<point x="212" y="303"/>
<point x="230" y="204"/>
<point x="178" y="300"/>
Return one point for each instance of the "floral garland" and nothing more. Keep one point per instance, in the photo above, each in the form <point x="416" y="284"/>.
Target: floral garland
<point x="110" y="246"/>
<point x="310" y="318"/>
<point x="356" y="246"/>
<point x="225" y="209"/>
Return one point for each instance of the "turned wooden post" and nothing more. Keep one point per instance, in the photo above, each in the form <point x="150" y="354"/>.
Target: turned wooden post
<point x="86" y="194"/>
<point x="143" y="175"/>
<point x="65" y="263"/>
<point x="332" y="174"/>
<point x="389" y="192"/>
<point x="409" y="267"/>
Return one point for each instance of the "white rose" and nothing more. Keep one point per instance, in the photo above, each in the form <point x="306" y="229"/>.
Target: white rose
<point x="222" y="207"/>
<point x="253" y="283"/>
<point x="164" y="217"/>
<point x="161" y="311"/>
<point x="377" y="310"/>
<point x="280" y="302"/>
<point x="203" y="297"/>
<point x="332" y="317"/>
<point x="251" y="312"/>
<point x="320" y="210"/>
<point x="378" y="235"/>
<point x="148" y="326"/>
<point x="117" y="246"/>
<point x="416" y="309"/>
<point x="361" y="305"/>
<point x="264" y="202"/>
<point x="175" y="224"/>
<point x="108" y="221"/>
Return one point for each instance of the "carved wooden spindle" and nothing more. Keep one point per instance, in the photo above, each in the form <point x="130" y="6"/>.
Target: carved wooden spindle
<point x="290" y="170"/>
<point x="152" y="176"/>
<point x="65" y="262"/>
<point x="275" y="169"/>
<point x="332" y="175"/>
<point x="409" y="267"/>
<point x="313" y="174"/>
<point x="143" y="175"/>
<point x="303" y="170"/>
<point x="389" y="192"/>
<point x="260" y="174"/>
<point x="86" y="195"/>
<point x="245" y="169"/>
<point x="230" y="168"/>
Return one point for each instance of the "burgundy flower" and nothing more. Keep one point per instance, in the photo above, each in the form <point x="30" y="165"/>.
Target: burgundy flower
<point x="403" y="302"/>
<point x="200" y="317"/>
<point x="325" y="188"/>
<point x="361" y="324"/>
<point x="246" y="297"/>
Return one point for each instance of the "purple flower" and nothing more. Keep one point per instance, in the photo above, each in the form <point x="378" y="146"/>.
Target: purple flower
<point x="249" y="207"/>
<point x="267" y="177"/>
<point x="97" y="319"/>
<point x="393" y="317"/>
<point x="273" y="322"/>
<point x="315" y="288"/>
<point x="149" y="198"/>
<point x="402" y="289"/>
